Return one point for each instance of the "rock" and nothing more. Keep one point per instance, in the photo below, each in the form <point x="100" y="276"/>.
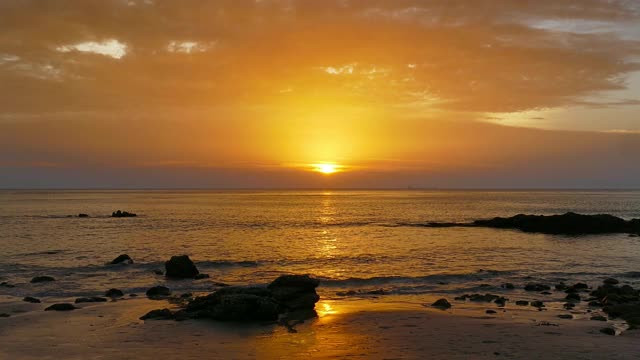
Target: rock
<point x="81" y="215"/>
<point x="501" y="301"/>
<point x="158" y="291"/>
<point x="113" y="293"/>
<point x="61" y="307"/>
<point x="611" y="281"/>
<point x="490" y="311"/>
<point x="180" y="267"/>
<point x="595" y="304"/>
<point x="6" y="284"/>
<point x="573" y="297"/>
<point x="508" y="286"/>
<point x="598" y="318"/>
<point x="376" y="292"/>
<point x="186" y="295"/>
<point x="40" y="279"/>
<point x="479" y="297"/>
<point x="30" y="299"/>
<point x="522" y="303"/>
<point x="441" y="304"/>
<point x="567" y="224"/>
<point x="634" y="235"/>
<point x="235" y="304"/>
<point x="4" y="315"/>
<point x="578" y="287"/>
<point x="122" y="214"/>
<point x="545" y="293"/>
<point x="201" y="276"/>
<point x="158" y="314"/>
<point x="295" y="292"/>
<point x="122" y="259"/>
<point x="158" y="272"/>
<point x="561" y="287"/>
<point x="90" y="299"/>
<point x="608" y="331"/>
<point x="536" y="287"/>
<point x="537" y="303"/>
<point x="629" y="312"/>
<point x="565" y="316"/>
<point x="569" y="305"/>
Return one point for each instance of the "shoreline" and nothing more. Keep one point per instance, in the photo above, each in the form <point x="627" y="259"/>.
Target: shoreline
<point x="344" y="329"/>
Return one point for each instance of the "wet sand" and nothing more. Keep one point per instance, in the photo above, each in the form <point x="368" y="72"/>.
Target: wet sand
<point x="360" y="329"/>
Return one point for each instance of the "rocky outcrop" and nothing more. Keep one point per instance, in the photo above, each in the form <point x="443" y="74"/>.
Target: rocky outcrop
<point x="122" y="259"/>
<point x="620" y="302"/>
<point x="288" y="297"/>
<point x="41" y="279"/>
<point x="122" y="214"/>
<point x="180" y="267"/>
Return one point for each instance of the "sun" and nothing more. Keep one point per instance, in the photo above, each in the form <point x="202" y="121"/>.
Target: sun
<point x="326" y="168"/>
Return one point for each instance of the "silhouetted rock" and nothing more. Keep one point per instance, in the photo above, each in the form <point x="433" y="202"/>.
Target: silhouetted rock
<point x="598" y="318"/>
<point x="122" y="214"/>
<point x="537" y="303"/>
<point x="608" y="331"/>
<point x="113" y="293"/>
<point x="295" y="291"/>
<point x="30" y="299"/>
<point x="567" y="224"/>
<point x="158" y="272"/>
<point x="158" y="314"/>
<point x="61" y="307"/>
<point x="508" y="286"/>
<point x="40" y="279"/>
<point x="611" y="281"/>
<point x="573" y="297"/>
<point x="565" y="316"/>
<point x="561" y="286"/>
<point x="522" y="303"/>
<point x="122" y="259"/>
<point x="441" y="304"/>
<point x="501" y="301"/>
<point x="536" y="287"/>
<point x="158" y="291"/>
<point x="569" y="305"/>
<point x="83" y="215"/>
<point x="201" y="276"/>
<point x="92" y="299"/>
<point x="180" y="267"/>
<point x="6" y="284"/>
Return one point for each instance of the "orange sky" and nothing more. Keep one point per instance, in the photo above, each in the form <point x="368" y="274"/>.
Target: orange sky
<point x="461" y="93"/>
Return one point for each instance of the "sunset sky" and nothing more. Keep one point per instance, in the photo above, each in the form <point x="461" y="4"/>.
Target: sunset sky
<point x="243" y="94"/>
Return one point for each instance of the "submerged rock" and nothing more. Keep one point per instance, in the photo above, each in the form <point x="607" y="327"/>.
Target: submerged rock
<point x="158" y="292"/>
<point x="611" y="281"/>
<point x="522" y="303"/>
<point x="40" y="279"/>
<point x="6" y="284"/>
<point x="122" y="259"/>
<point x="92" y="299"/>
<point x="536" y="287"/>
<point x="568" y="224"/>
<point x="537" y="303"/>
<point x="113" y="293"/>
<point x="30" y="299"/>
<point x="61" y="307"/>
<point x="122" y="214"/>
<point x="180" y="267"/>
<point x="598" y="318"/>
<point x="441" y="304"/>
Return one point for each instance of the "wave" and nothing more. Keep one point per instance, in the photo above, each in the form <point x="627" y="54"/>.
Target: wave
<point x="432" y="279"/>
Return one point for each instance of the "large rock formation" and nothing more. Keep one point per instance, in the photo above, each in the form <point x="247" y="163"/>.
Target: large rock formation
<point x="290" y="296"/>
<point x="180" y="267"/>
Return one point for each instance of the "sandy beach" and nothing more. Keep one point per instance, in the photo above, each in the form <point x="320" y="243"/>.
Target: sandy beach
<point x="361" y="329"/>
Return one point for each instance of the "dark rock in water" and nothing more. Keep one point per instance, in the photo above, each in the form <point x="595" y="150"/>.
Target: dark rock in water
<point x="490" y="311"/>
<point x="61" y="307"/>
<point x="6" y="284"/>
<point x="81" y="215"/>
<point x="573" y="297"/>
<point x="569" y="305"/>
<point x="158" y="314"/>
<point x="565" y="316"/>
<point x="4" y="315"/>
<point x="201" y="276"/>
<point x="611" y="294"/>
<point x="598" y="318"/>
<point x="180" y="267"/>
<point x="30" y="299"/>
<point x="295" y="291"/>
<point x="158" y="272"/>
<point x="608" y="331"/>
<point x="90" y="299"/>
<point x="441" y="304"/>
<point x="522" y="303"/>
<point x="113" y="293"/>
<point x="158" y="291"/>
<point x="508" y="286"/>
<point x="537" y="303"/>
<point x="629" y="312"/>
<point x="186" y="295"/>
<point x="40" y="279"/>
<point x="594" y="303"/>
<point x="478" y="297"/>
<point x="567" y="224"/>
<point x="545" y="293"/>
<point x="561" y="287"/>
<point x="579" y="286"/>
<point x="536" y="287"/>
<point x="501" y="301"/>
<point x="122" y="214"/>
<point x="611" y="281"/>
<point x="376" y="292"/>
<point x="122" y="259"/>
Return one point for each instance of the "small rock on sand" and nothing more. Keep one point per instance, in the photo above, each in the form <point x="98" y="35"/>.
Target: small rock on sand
<point x="522" y="303"/>
<point x="441" y="304"/>
<point x="113" y="293"/>
<point x="90" y="299"/>
<point x="158" y="291"/>
<point x="158" y="314"/>
<point x="40" y="279"/>
<point x="61" y="307"/>
<point x="30" y="299"/>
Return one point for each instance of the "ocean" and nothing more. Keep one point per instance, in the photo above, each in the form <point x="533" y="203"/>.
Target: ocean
<point x="366" y="242"/>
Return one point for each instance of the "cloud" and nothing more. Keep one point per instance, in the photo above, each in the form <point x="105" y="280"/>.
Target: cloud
<point x="472" y="56"/>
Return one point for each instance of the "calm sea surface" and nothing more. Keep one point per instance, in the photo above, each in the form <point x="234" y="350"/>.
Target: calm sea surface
<point x="352" y="240"/>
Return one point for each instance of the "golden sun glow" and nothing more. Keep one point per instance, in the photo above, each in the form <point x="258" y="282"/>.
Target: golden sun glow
<point x="326" y="168"/>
